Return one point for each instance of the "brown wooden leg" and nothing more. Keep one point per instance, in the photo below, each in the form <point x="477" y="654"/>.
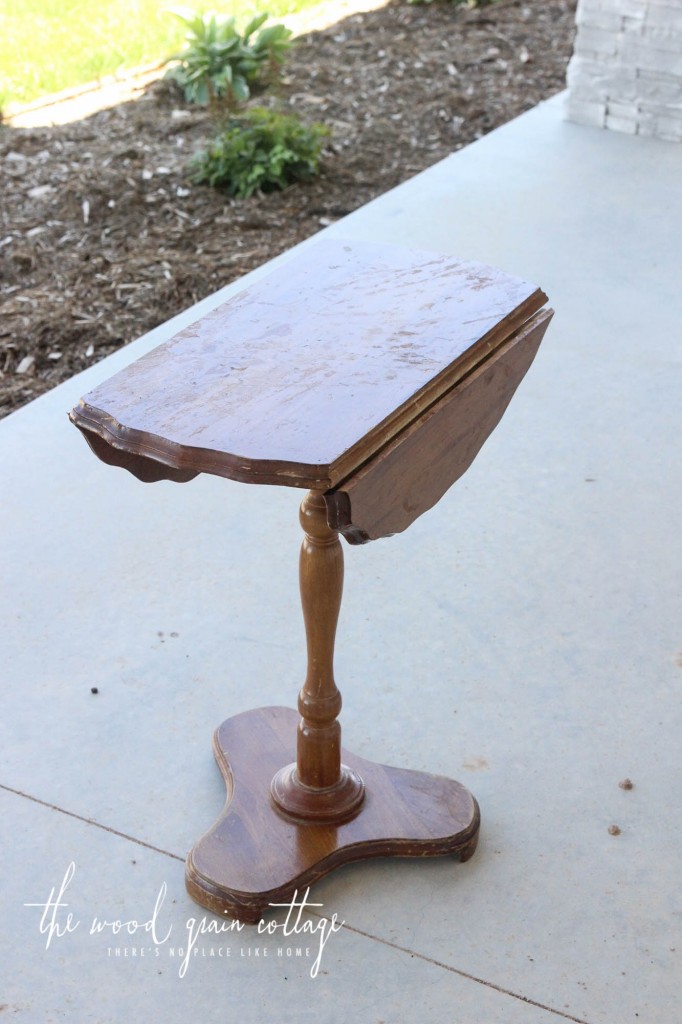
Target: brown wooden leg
<point x="318" y="787"/>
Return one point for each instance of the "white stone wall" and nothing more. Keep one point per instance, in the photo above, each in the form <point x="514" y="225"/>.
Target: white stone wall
<point x="626" y="69"/>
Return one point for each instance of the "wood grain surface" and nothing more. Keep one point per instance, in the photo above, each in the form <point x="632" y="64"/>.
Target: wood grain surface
<point x="254" y="855"/>
<point x="304" y="375"/>
<point x="415" y="470"/>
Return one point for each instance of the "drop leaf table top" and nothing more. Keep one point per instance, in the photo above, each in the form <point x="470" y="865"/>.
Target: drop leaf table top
<point x="305" y="374"/>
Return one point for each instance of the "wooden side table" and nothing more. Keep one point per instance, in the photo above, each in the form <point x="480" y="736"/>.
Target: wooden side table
<point x="370" y="375"/>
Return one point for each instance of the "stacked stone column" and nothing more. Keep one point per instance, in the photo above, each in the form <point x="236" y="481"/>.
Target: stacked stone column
<point x="626" y="70"/>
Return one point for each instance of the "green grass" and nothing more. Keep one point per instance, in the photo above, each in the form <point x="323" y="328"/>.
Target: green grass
<point x="50" y="45"/>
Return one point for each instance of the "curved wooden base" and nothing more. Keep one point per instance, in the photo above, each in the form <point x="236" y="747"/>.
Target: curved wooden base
<point x="256" y="855"/>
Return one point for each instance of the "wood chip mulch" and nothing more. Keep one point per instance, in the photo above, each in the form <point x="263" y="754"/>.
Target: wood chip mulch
<point x="102" y="235"/>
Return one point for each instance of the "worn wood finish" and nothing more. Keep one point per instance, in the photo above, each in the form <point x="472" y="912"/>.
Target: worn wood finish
<point x="416" y="469"/>
<point x="371" y="375"/>
<point x="254" y="855"/>
<point x="304" y="375"/>
<point x="318" y="787"/>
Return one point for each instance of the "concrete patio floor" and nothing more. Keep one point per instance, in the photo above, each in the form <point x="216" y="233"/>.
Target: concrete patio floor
<point x="525" y="637"/>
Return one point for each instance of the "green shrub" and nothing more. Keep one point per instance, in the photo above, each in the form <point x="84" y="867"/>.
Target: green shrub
<point x="220" y="63"/>
<point x="262" y="150"/>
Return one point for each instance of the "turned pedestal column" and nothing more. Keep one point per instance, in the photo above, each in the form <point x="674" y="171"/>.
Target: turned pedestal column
<point x="318" y="787"/>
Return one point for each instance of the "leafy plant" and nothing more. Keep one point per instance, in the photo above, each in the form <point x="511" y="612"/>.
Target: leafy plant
<point x="262" y="150"/>
<point x="270" y="48"/>
<point x="220" y="64"/>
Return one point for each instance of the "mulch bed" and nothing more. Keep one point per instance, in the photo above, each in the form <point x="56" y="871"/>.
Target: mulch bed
<point x="102" y="235"/>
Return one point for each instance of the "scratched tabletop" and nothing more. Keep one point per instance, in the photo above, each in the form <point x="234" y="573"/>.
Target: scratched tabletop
<point x="306" y="373"/>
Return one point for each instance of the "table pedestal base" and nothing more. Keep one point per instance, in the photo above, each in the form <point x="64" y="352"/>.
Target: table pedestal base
<point x="256" y="854"/>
